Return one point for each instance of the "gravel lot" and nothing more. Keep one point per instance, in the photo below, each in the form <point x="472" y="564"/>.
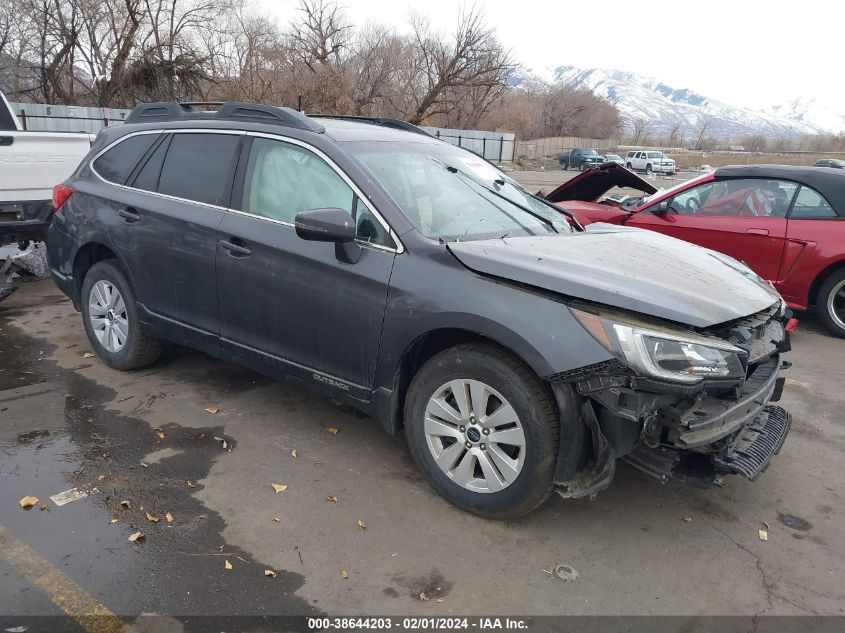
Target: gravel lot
<point x="641" y="548"/>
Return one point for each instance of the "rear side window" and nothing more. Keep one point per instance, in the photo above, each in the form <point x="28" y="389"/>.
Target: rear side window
<point x="148" y="172"/>
<point x="810" y="204"/>
<point x="118" y="162"/>
<point x="200" y="167"/>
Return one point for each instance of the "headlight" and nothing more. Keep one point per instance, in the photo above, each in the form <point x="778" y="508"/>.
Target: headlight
<point x="662" y="352"/>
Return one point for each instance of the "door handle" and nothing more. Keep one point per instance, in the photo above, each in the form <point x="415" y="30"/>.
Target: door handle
<point x="129" y="215"/>
<point x="757" y="232"/>
<point x="235" y="250"/>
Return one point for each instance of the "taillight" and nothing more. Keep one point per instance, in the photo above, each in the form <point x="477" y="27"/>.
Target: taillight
<point x="61" y="193"/>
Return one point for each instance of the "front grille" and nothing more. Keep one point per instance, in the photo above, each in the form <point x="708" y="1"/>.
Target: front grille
<point x="753" y="447"/>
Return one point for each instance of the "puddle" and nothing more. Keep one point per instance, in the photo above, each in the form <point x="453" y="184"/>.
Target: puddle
<point x="57" y="434"/>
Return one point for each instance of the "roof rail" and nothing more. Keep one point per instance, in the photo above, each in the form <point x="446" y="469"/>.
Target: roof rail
<point x="230" y="110"/>
<point x="397" y="124"/>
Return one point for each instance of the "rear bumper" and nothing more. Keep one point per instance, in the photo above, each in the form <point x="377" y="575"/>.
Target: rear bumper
<point x="24" y="220"/>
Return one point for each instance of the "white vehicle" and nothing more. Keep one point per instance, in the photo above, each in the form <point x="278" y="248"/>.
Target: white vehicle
<point x="614" y="158"/>
<point x="31" y="164"/>
<point x="650" y="161"/>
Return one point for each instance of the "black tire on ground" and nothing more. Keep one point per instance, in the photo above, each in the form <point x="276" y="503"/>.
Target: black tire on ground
<point x="648" y="169"/>
<point x="139" y="349"/>
<point x="528" y="395"/>
<point x="832" y="294"/>
<point x="629" y="167"/>
<point x="564" y="166"/>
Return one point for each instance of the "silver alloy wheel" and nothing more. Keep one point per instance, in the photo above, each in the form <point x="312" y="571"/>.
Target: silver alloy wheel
<point x="836" y="304"/>
<point x="108" y="316"/>
<point x="474" y="435"/>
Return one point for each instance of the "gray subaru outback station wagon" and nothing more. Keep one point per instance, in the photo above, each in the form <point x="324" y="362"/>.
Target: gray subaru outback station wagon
<point x="415" y="281"/>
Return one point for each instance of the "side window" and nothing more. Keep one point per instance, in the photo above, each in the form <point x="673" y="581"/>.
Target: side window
<point x="118" y="162"/>
<point x="200" y="167"/>
<point x="811" y="204"/>
<point x="283" y="179"/>
<point x="147" y="173"/>
<point x="742" y="197"/>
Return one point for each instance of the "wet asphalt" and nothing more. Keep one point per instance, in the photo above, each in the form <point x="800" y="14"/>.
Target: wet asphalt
<point x="68" y="421"/>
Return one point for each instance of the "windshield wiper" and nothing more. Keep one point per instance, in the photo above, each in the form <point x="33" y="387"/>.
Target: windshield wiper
<point x="473" y="181"/>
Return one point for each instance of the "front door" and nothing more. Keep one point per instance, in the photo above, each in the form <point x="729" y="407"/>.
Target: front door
<point x="744" y="218"/>
<point x="295" y="304"/>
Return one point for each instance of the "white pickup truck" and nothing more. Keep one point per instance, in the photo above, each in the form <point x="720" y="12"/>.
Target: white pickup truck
<point x="650" y="162"/>
<point x="31" y="164"/>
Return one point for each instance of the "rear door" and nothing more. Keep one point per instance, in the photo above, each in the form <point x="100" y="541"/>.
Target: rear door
<point x="743" y="218"/>
<point x="294" y="304"/>
<point x="165" y="227"/>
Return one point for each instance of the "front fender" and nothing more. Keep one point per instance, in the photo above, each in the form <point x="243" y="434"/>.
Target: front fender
<point x="534" y="325"/>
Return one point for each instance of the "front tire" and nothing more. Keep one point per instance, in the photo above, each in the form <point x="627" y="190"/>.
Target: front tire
<point x="648" y="170"/>
<point x="484" y="431"/>
<point x="110" y="315"/>
<point x="830" y="303"/>
<point x="629" y="167"/>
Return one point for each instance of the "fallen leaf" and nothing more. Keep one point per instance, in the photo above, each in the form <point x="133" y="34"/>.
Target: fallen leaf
<point x="764" y="536"/>
<point x="202" y="516"/>
<point x="28" y="502"/>
<point x="362" y="525"/>
<point x="424" y="597"/>
<point x="344" y="574"/>
<point x="101" y="477"/>
<point x="279" y="488"/>
<point x="44" y="506"/>
<point x="227" y="565"/>
<point x="687" y="519"/>
<point x="331" y="498"/>
<point x="144" y="465"/>
<point x="293" y="453"/>
<point x="125" y="504"/>
<point x="440" y="601"/>
<point x="88" y="355"/>
<point x="213" y="410"/>
<point x="113" y="521"/>
<point x="276" y="519"/>
<point x="138" y="536"/>
<point x="160" y="434"/>
<point x="151" y="518"/>
<point x="169" y="517"/>
<point x="191" y="484"/>
<point x="270" y="573"/>
<point x="332" y="430"/>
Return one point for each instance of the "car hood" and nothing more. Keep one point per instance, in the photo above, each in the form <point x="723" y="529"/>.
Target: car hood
<point x="594" y="183"/>
<point x="632" y="269"/>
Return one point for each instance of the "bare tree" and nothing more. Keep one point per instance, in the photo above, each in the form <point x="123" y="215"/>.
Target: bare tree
<point x="473" y="59"/>
<point x="702" y="131"/>
<point x="641" y="129"/>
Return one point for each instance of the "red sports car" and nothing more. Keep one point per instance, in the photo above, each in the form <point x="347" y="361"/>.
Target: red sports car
<point x="786" y="223"/>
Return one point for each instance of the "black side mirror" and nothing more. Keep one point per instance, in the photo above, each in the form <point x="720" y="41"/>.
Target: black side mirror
<point x="662" y="208"/>
<point x="325" y="225"/>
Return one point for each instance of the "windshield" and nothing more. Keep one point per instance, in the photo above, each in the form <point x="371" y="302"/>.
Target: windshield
<point x="451" y="194"/>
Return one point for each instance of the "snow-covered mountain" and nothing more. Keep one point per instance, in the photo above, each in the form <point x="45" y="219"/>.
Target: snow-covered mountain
<point x="665" y="107"/>
<point x="813" y="113"/>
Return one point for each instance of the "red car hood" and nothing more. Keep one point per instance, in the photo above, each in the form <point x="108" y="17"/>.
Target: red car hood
<point x="592" y="184"/>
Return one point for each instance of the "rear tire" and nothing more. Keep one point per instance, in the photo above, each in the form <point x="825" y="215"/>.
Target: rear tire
<point x="830" y="303"/>
<point x="110" y="315"/>
<point x="564" y="166"/>
<point x="515" y="486"/>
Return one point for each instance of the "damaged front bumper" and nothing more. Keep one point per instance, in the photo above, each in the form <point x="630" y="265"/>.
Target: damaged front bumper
<point x="673" y="431"/>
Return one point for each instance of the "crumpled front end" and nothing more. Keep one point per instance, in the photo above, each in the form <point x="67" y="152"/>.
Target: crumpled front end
<point x="691" y="432"/>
